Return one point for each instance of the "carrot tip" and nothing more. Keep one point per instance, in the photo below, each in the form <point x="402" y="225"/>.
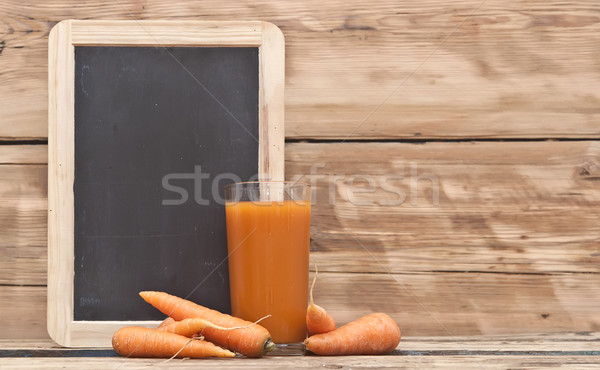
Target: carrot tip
<point x="269" y="346"/>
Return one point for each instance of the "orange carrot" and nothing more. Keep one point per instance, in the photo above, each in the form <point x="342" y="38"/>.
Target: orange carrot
<point x="166" y="322"/>
<point x="189" y="327"/>
<point x="374" y="334"/>
<point x="145" y="342"/>
<point x="318" y="321"/>
<point x="252" y="341"/>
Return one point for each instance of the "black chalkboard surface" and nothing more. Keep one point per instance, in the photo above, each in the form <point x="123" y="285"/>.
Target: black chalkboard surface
<point x="148" y="121"/>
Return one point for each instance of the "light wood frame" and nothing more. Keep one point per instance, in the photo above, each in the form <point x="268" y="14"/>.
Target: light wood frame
<point x="64" y="37"/>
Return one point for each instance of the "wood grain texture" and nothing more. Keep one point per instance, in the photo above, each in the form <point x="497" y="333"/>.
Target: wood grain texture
<point x="271" y="102"/>
<point x="576" y="351"/>
<point x="417" y="264"/>
<point x="440" y="303"/>
<point x="435" y="303"/>
<point x="162" y="32"/>
<point x="61" y="175"/>
<point x="465" y="362"/>
<point x="502" y="207"/>
<point x="23" y="205"/>
<point x="571" y="351"/>
<point x="555" y="342"/>
<point x="579" y="341"/>
<point x="23" y="312"/>
<point x="24" y="154"/>
<point x="519" y="69"/>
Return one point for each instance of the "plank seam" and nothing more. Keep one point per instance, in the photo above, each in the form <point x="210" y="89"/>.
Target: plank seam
<point x="424" y="272"/>
<point x="435" y="140"/>
<point x="4" y="141"/>
<point x="23" y="164"/>
<point x="516" y="273"/>
<point x="23" y="142"/>
<point x="23" y="285"/>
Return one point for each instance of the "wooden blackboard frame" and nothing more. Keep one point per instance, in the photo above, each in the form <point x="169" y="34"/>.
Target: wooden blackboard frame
<point x="63" y="39"/>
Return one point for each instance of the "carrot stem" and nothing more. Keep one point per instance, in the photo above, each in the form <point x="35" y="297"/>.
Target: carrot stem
<point x="312" y="286"/>
<point x="318" y="321"/>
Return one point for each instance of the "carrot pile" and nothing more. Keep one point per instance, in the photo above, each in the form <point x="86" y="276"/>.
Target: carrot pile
<point x="191" y="330"/>
<point x="194" y="331"/>
<point x="251" y="341"/>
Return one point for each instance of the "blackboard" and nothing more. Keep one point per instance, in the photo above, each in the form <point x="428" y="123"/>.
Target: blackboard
<point x="141" y="118"/>
<point x="155" y="130"/>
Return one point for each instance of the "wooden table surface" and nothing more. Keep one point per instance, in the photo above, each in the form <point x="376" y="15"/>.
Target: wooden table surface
<point x="563" y="350"/>
<point x="453" y="145"/>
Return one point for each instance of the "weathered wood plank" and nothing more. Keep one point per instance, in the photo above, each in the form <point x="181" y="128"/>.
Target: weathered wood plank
<point x="23" y="154"/>
<point x="580" y="341"/>
<point x="23" y="312"/>
<point x="501" y="207"/>
<point x="440" y="303"/>
<point x="518" y="69"/>
<point x="494" y="192"/>
<point x="311" y="362"/>
<point x="23" y="205"/>
<point x="504" y="207"/>
<point x="549" y="342"/>
<point x="423" y="304"/>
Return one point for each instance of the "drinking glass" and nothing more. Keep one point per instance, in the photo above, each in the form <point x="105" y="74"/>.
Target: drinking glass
<point x="268" y="240"/>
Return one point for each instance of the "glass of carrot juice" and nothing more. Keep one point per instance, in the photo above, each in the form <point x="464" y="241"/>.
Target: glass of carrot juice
<point x="268" y="241"/>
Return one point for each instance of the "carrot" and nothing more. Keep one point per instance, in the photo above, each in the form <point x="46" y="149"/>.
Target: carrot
<point x="189" y="327"/>
<point x="318" y="321"/>
<point x="144" y="342"/>
<point x="253" y="341"/>
<point x="374" y="334"/>
<point x="166" y="322"/>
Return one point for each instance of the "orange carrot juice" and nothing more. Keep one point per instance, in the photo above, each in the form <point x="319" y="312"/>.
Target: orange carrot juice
<point x="268" y="245"/>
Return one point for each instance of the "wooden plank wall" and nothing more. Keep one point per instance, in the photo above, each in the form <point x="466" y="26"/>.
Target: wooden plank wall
<point x="453" y="148"/>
